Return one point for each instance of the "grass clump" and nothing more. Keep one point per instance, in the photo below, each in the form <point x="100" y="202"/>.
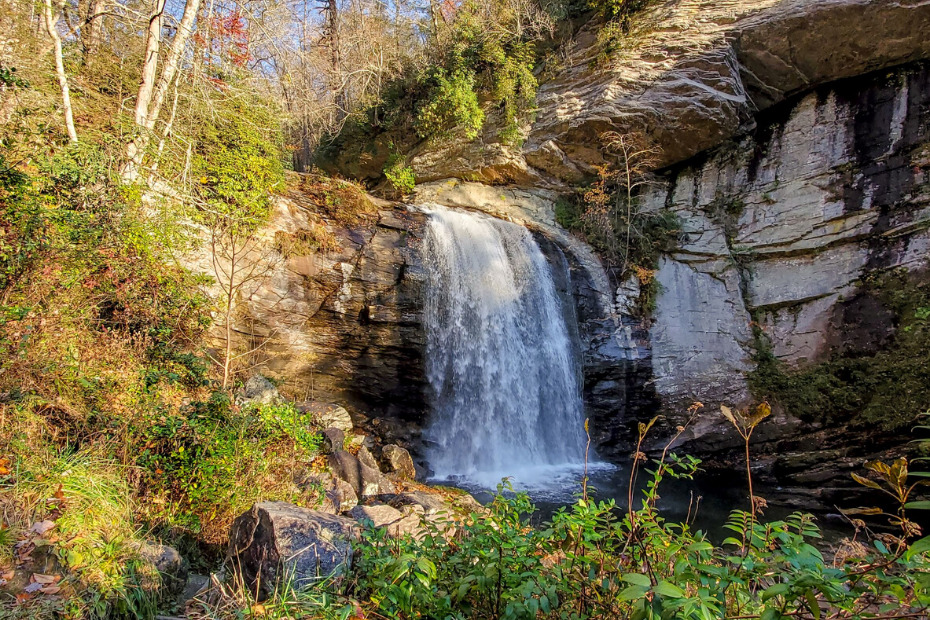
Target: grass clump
<point x="343" y="202"/>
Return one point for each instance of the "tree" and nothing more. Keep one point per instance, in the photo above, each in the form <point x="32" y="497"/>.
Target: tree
<point x="91" y="26"/>
<point x="51" y="27"/>
<point x="154" y="86"/>
<point x="239" y="259"/>
<point x="612" y="209"/>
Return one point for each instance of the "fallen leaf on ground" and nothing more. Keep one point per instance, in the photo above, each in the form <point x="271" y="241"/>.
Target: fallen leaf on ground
<point x="45" y="579"/>
<point x="32" y="587"/>
<point x="50" y="590"/>
<point x="41" y="527"/>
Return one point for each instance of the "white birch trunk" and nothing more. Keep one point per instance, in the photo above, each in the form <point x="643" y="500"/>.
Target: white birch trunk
<point x="50" y="26"/>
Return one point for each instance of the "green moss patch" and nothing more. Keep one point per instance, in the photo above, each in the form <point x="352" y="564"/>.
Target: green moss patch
<point x="888" y="387"/>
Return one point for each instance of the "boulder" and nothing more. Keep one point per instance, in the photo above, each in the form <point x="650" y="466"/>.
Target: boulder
<point x="409" y="525"/>
<point x="328" y="415"/>
<point x="164" y="571"/>
<point x="398" y="460"/>
<point x="397" y="523"/>
<point x="367" y="459"/>
<point x="258" y="390"/>
<point x="430" y="503"/>
<point x="277" y="540"/>
<point x="366" y="481"/>
<point x="380" y="515"/>
<point x="468" y="503"/>
<point x="342" y="496"/>
<point x="333" y="439"/>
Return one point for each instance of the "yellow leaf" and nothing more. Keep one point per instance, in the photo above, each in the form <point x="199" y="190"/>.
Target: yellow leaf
<point x="866" y="482"/>
<point x="728" y="414"/>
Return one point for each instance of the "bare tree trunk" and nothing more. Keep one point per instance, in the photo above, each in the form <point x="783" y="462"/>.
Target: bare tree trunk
<point x="136" y="148"/>
<point x="151" y="95"/>
<point x="331" y="34"/>
<point x="90" y="31"/>
<point x="150" y="65"/>
<point x="50" y="26"/>
<point x="178" y="44"/>
<point x="166" y="132"/>
<point x="434" y="15"/>
<point x="231" y="290"/>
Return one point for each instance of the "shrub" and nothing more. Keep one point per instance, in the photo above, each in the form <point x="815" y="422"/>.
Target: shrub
<point x="400" y="175"/>
<point x="238" y="162"/>
<point x="452" y="103"/>
<point x="590" y="562"/>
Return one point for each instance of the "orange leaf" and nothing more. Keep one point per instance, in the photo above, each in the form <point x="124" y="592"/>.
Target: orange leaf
<point x="45" y="579"/>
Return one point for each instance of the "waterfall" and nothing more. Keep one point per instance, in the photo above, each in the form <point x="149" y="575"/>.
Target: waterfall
<point x="505" y="384"/>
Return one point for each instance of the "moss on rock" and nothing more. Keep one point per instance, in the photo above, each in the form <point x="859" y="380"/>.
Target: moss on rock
<point x="887" y="387"/>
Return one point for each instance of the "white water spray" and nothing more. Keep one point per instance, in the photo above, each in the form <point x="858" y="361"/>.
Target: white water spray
<point x="499" y="358"/>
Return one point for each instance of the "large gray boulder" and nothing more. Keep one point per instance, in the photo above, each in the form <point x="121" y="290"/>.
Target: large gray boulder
<point x="275" y="541"/>
<point x="366" y="481"/>
<point x="258" y="390"/>
<point x="328" y="415"/>
<point x="398" y="460"/>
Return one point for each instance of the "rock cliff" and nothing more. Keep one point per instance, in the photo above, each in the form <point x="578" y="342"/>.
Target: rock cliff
<point x="692" y="74"/>
<point x="795" y="141"/>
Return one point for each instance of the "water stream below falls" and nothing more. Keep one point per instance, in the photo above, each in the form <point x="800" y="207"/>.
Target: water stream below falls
<point x="504" y="375"/>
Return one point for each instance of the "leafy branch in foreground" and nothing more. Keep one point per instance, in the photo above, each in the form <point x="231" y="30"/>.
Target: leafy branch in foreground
<point x="592" y="560"/>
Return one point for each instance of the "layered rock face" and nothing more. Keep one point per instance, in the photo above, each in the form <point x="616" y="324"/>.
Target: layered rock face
<point x="692" y="74"/>
<point x="781" y="225"/>
<point x="341" y="326"/>
<point x="781" y="229"/>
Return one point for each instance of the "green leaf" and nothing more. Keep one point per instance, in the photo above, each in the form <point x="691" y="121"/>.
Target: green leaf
<point x="776" y="590"/>
<point x="812" y="604"/>
<point x="632" y="593"/>
<point x="918" y="547"/>
<point x="770" y="613"/>
<point x="919" y="505"/>
<point x="700" y="546"/>
<point x="667" y="589"/>
<point x="544" y="604"/>
<point x="638" y="579"/>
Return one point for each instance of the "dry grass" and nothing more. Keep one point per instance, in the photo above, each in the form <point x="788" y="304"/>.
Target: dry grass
<point x="343" y="202"/>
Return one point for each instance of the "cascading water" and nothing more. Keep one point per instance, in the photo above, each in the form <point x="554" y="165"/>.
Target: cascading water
<point x="505" y="383"/>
